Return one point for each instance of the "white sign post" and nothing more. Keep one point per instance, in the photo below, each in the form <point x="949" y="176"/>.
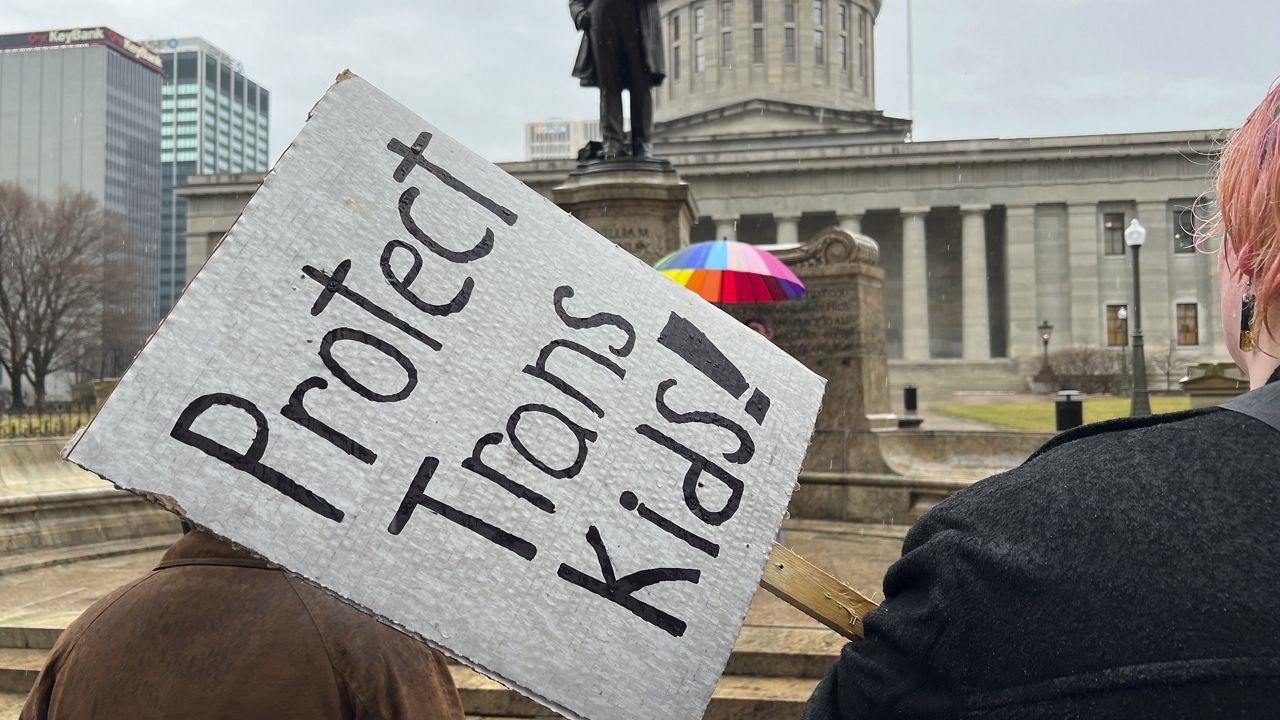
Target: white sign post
<point x="414" y="381"/>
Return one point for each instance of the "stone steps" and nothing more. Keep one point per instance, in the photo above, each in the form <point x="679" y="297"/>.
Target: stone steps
<point x="939" y="380"/>
<point x="765" y="651"/>
<point x="783" y="652"/>
<point x="37" y="629"/>
<point x="771" y="671"/>
<point x="48" y="557"/>
<point x="19" y="667"/>
<point x="736" y="697"/>
<point x="11" y="704"/>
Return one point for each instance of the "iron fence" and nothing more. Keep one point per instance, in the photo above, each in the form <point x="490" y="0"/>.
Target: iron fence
<point x="52" y="420"/>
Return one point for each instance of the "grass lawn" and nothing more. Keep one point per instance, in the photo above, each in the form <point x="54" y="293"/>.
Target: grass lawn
<point x="1039" y="415"/>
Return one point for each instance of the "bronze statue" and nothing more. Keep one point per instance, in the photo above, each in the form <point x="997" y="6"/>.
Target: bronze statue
<point x="621" y="50"/>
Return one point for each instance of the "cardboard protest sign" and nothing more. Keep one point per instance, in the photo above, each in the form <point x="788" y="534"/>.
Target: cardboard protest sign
<point x="414" y="381"/>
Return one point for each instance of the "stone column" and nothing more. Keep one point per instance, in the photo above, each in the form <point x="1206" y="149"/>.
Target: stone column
<point x="851" y="222"/>
<point x="726" y="228"/>
<point x="915" y="286"/>
<point x="1157" y="304"/>
<point x="1020" y="279"/>
<point x="1084" y="247"/>
<point x="976" y="341"/>
<point x="788" y="229"/>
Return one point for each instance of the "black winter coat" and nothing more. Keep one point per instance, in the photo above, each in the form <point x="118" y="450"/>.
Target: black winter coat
<point x="1128" y="569"/>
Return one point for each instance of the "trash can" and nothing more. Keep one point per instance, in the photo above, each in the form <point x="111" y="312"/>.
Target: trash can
<point x="1068" y="410"/>
<point x="909" y="399"/>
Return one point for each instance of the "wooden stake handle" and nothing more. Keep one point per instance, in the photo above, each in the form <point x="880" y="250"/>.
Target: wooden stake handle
<point x="815" y="593"/>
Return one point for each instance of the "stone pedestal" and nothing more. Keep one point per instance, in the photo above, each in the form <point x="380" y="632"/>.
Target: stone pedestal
<point x="644" y="207"/>
<point x="837" y="330"/>
<point x="1208" y="384"/>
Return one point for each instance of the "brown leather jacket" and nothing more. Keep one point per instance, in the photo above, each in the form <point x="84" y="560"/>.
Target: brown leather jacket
<point x="214" y="632"/>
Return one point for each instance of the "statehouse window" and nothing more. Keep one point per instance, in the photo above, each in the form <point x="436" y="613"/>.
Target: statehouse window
<point x="726" y="13"/>
<point x="1113" y="233"/>
<point x="1117" y="325"/>
<point x="1184" y="230"/>
<point x="757" y="11"/>
<point x="675" y="46"/>
<point x="1188" y="324"/>
<point x="789" y="46"/>
<point x="699" y="19"/>
<point x="726" y="50"/>
<point x="757" y="45"/>
<point x="699" y="55"/>
<point x="788" y="11"/>
<point x="819" y="38"/>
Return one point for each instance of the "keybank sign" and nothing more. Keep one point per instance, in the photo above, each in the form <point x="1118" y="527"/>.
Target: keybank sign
<point x="83" y="36"/>
<point x="62" y="37"/>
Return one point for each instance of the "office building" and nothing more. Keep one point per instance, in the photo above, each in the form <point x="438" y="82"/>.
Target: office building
<point x="80" y="111"/>
<point x="213" y="119"/>
<point x="558" y="139"/>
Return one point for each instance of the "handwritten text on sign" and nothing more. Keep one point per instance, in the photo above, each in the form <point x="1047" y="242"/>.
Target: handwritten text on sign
<point x="414" y="381"/>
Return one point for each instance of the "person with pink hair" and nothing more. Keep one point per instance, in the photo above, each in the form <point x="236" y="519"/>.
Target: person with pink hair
<point x="1128" y="568"/>
<point x="1248" y="220"/>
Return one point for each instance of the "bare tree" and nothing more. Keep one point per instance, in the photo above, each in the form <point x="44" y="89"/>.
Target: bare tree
<point x="1171" y="363"/>
<point x="1087" y="368"/>
<point x="65" y="291"/>
<point x="64" y="286"/>
<point x="18" y="217"/>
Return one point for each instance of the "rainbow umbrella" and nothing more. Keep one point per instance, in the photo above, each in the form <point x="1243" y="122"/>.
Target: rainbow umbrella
<point x="726" y="271"/>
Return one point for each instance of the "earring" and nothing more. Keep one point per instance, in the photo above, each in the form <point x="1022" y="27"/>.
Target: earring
<point x="1246" y="319"/>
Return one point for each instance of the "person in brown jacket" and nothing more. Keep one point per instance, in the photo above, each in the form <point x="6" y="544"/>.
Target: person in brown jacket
<point x="215" y="632"/>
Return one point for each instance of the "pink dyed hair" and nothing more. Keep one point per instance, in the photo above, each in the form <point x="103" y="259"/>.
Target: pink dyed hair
<point x="1248" y="196"/>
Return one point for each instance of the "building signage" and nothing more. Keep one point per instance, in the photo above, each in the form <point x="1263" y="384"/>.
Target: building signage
<point x="175" y="45"/>
<point x="413" y="380"/>
<point x="83" y="36"/>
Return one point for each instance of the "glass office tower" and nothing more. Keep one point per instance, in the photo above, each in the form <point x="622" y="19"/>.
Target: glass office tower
<point x="213" y="119"/>
<point x="79" y="111"/>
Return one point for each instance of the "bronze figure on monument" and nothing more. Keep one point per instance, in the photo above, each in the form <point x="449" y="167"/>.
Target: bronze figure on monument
<point x="621" y="49"/>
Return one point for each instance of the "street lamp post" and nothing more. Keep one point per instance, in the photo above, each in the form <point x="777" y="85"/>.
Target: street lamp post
<point x="1134" y="236"/>
<point x="1046" y="332"/>
<point x="1123" y="316"/>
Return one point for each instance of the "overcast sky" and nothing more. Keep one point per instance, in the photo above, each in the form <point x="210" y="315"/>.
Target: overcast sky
<point x="480" y="69"/>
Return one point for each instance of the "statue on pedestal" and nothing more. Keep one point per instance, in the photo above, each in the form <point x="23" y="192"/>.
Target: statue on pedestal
<point x="621" y="50"/>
